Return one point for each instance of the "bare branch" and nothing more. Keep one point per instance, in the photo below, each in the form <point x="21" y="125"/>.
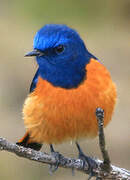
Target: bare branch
<point x="77" y="164"/>
<point x="102" y="144"/>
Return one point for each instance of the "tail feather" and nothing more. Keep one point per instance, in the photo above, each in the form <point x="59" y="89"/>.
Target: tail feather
<point x="25" y="141"/>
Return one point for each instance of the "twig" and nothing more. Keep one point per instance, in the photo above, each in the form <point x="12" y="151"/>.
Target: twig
<point x="77" y="164"/>
<point x="100" y="117"/>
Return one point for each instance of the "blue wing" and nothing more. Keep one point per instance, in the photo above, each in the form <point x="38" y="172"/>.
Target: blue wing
<point x="34" y="81"/>
<point x="92" y="56"/>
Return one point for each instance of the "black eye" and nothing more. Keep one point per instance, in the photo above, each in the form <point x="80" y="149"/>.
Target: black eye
<point x="59" y="49"/>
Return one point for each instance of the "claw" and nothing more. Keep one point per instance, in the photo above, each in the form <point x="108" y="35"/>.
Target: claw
<point x="52" y="169"/>
<point x="57" y="156"/>
<point x="90" y="176"/>
<point x="98" y="178"/>
<point x="90" y="162"/>
<point x="73" y="172"/>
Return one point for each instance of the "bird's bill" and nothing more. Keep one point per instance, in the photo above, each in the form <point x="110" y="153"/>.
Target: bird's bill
<point x="35" y="52"/>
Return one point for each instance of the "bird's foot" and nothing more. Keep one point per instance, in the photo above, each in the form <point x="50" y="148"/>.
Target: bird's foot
<point x="91" y="164"/>
<point x="57" y="155"/>
<point x="86" y="159"/>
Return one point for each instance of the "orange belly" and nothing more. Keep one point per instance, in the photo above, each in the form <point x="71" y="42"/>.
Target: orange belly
<point x="53" y="114"/>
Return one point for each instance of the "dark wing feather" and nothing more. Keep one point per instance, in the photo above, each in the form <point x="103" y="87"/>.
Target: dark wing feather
<point x="34" y="81"/>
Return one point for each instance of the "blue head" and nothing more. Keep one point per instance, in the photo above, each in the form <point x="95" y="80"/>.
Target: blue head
<point x="61" y="55"/>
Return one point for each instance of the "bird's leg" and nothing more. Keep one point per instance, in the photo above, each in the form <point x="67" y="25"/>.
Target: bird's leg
<point x="86" y="159"/>
<point x="100" y="118"/>
<point x="57" y="156"/>
<point x="52" y="148"/>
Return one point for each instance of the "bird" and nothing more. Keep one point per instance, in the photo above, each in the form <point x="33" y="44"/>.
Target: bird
<point x="69" y="84"/>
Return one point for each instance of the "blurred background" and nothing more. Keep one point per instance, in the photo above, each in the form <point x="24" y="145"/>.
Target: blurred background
<point x="105" y="27"/>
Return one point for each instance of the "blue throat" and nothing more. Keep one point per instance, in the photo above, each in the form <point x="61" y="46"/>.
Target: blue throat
<point x="66" y="75"/>
<point x="62" y="77"/>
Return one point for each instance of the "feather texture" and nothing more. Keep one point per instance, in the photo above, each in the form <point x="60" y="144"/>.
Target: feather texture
<point x="53" y="114"/>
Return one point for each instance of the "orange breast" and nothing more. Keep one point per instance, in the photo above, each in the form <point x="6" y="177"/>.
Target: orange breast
<point x="53" y="114"/>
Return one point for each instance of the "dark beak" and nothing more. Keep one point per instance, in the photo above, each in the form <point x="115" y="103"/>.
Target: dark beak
<point x="35" y="52"/>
